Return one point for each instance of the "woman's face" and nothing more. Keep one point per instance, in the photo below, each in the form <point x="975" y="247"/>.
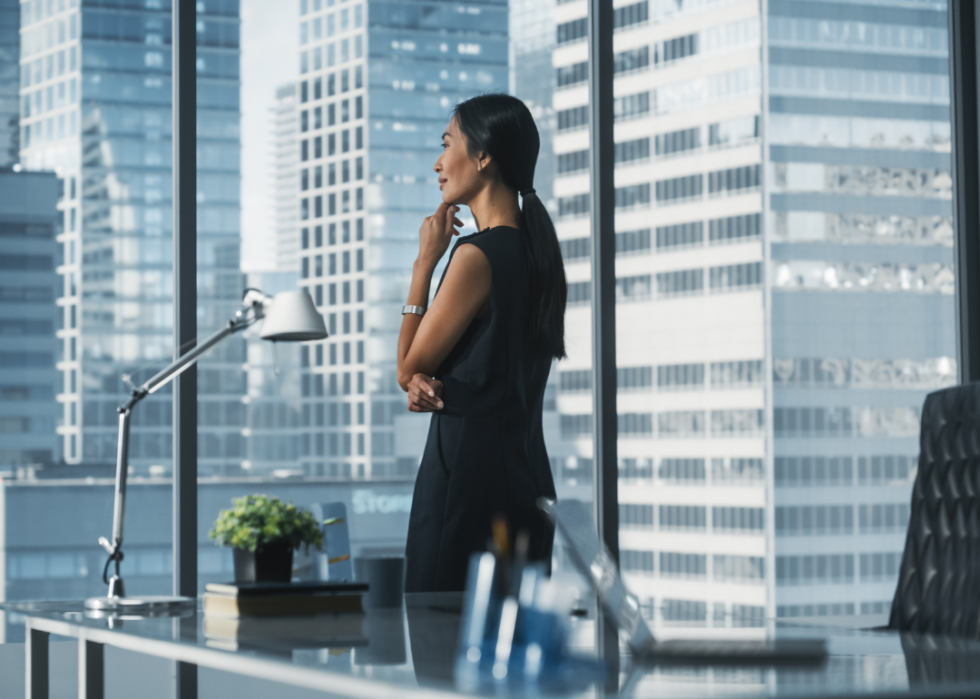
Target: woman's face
<point x="460" y="176"/>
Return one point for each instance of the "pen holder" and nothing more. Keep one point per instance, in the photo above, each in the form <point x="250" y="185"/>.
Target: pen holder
<point x="517" y="640"/>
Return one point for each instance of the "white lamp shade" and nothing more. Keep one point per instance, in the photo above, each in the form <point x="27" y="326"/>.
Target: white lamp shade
<point x="292" y="317"/>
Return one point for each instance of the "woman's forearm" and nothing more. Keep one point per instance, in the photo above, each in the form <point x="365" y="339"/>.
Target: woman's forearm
<point x="418" y="295"/>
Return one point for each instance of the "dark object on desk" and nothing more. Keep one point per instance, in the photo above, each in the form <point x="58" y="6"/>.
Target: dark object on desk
<point x="940" y="572"/>
<point x="272" y="599"/>
<point x="791" y="652"/>
<point x="592" y="558"/>
<point x="271" y="563"/>
<point x="386" y="577"/>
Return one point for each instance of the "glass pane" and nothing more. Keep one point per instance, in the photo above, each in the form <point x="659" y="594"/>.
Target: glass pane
<point x="785" y="290"/>
<point x="862" y="287"/>
<point x="86" y="293"/>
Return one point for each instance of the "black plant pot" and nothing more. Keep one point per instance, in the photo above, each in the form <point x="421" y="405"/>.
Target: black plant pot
<point x="271" y="563"/>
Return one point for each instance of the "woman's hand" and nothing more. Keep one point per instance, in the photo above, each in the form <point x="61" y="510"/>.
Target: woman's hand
<point x="424" y="394"/>
<point x="436" y="232"/>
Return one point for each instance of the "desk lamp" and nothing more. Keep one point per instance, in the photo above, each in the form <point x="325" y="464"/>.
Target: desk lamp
<point x="288" y="317"/>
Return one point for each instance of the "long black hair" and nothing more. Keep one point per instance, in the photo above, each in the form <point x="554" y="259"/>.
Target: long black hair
<point x="502" y="127"/>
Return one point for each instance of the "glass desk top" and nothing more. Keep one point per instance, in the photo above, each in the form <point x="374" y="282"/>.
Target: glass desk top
<point x="411" y="652"/>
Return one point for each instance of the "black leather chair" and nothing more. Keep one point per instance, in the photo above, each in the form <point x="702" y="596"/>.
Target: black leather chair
<point x="938" y="588"/>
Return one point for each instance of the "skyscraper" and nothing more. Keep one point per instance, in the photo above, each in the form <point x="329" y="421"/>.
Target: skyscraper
<point x="95" y="107"/>
<point x="377" y="84"/>
<point x="29" y="319"/>
<point x="860" y="231"/>
<point x="691" y="340"/>
<point x="285" y="178"/>
<point x="783" y="235"/>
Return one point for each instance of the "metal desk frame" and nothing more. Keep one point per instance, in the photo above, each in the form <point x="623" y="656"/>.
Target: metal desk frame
<point x="91" y="664"/>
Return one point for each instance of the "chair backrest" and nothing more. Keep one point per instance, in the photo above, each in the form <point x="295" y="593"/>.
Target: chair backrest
<point x="939" y="582"/>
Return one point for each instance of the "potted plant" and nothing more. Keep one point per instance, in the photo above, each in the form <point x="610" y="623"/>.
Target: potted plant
<point x="263" y="533"/>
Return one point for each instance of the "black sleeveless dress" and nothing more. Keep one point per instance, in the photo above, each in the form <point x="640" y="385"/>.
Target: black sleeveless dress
<point x="485" y="453"/>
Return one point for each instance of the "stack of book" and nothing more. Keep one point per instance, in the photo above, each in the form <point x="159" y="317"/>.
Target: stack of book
<point x="293" y="615"/>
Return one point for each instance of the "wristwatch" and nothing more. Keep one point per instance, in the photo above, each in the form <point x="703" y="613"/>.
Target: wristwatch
<point x="417" y="310"/>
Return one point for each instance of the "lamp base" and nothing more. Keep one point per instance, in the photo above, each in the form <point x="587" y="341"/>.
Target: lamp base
<point x="148" y="606"/>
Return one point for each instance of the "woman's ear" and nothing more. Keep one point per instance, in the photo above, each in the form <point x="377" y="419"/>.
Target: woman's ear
<point x="483" y="161"/>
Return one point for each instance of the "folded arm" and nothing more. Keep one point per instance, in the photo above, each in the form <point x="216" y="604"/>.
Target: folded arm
<point x="424" y="342"/>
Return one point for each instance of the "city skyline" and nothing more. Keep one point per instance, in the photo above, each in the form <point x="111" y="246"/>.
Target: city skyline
<point x="784" y="261"/>
<point x="95" y="94"/>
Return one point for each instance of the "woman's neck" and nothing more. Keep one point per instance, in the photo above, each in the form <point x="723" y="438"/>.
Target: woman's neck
<point x="495" y="205"/>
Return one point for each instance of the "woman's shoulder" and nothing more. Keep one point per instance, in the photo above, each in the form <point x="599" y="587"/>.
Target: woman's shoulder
<point x="503" y="248"/>
<point x="499" y="240"/>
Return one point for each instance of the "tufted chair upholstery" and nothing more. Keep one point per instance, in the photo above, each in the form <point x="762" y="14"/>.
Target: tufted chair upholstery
<point x="938" y="588"/>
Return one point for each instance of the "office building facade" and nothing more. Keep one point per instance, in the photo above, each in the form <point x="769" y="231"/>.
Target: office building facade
<point x="29" y="319"/>
<point x="783" y="235"/>
<point x="860" y="233"/>
<point x="95" y="106"/>
<point x="377" y="83"/>
<point x="691" y="331"/>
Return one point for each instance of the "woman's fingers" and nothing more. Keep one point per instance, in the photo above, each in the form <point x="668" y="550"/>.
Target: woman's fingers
<point x="457" y="222"/>
<point x="451" y="217"/>
<point x="423" y="395"/>
<point x="419" y="403"/>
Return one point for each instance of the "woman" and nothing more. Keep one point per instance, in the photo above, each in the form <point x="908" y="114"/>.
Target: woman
<point x="479" y="357"/>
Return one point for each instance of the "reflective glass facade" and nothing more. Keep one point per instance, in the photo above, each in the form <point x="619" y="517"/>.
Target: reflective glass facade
<point x="862" y="281"/>
<point x="95" y="106"/>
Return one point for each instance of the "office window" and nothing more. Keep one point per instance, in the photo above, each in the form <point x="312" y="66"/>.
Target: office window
<point x="682" y="517"/>
<point x="679" y="188"/>
<point x="683" y="565"/>
<point x="677" y="141"/>
<point x="680" y="235"/>
<point x="680" y="283"/>
<point x="676" y="377"/>
<point x="681" y="470"/>
<point x="573" y="118"/>
<point x="853" y="245"/>
<point x="636" y="516"/>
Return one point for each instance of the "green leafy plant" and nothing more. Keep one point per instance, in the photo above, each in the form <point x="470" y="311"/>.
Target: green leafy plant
<point x="258" y="520"/>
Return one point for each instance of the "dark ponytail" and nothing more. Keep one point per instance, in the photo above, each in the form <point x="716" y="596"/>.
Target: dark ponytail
<point x="502" y="127"/>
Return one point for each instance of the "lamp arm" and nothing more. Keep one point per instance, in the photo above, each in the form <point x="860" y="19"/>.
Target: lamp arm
<point x="244" y="317"/>
<point x="241" y="320"/>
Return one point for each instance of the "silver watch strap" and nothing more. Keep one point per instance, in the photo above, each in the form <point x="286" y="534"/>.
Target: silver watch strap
<point x="417" y="310"/>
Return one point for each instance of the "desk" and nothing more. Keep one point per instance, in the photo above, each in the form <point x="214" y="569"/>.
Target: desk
<point x="409" y="653"/>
